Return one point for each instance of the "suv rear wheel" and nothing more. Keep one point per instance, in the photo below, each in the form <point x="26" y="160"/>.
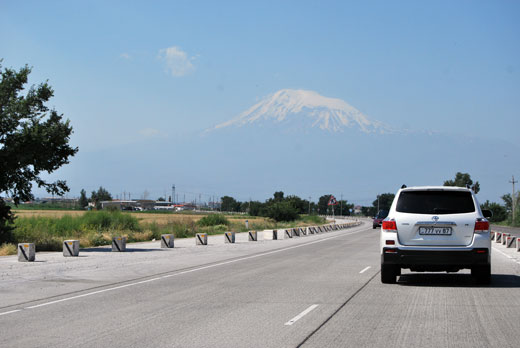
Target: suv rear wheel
<point x="389" y="274"/>
<point x="482" y="274"/>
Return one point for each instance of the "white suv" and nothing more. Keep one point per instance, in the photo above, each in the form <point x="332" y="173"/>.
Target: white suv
<point x="436" y="228"/>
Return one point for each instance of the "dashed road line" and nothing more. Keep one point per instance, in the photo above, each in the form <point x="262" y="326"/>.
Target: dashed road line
<point x="365" y="269"/>
<point x="301" y="315"/>
<point x="179" y="273"/>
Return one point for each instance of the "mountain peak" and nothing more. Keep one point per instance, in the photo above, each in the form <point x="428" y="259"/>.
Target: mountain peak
<point x="297" y="108"/>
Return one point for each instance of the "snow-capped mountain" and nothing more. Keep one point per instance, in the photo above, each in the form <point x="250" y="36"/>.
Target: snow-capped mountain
<point x="305" y="109"/>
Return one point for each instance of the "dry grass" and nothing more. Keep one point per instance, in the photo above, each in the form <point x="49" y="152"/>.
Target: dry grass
<point x="47" y="213"/>
<point x="7" y="249"/>
<point x="161" y="219"/>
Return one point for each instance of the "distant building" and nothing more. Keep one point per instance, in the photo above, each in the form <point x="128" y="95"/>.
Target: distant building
<point x="119" y="204"/>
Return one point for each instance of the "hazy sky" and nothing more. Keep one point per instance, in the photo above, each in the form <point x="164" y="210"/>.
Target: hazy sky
<point x="124" y="71"/>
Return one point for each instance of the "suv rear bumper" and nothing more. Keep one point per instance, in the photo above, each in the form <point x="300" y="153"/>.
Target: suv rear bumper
<point x="435" y="260"/>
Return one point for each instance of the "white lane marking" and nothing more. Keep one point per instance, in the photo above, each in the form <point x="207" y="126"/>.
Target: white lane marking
<point x="301" y="315"/>
<point x="183" y="272"/>
<point x="498" y="251"/>
<point x="365" y="269"/>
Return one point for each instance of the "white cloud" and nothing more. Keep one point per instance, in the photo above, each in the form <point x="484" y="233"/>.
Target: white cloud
<point x="177" y="61"/>
<point x="149" y="132"/>
<point x="124" y="55"/>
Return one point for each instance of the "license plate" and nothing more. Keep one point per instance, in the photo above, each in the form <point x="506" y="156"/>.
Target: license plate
<point x="443" y="231"/>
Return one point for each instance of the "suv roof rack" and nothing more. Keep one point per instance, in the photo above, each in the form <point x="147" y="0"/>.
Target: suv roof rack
<point x="404" y="186"/>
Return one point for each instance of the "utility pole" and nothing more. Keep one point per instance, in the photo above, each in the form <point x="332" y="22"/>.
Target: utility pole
<point x="173" y="194"/>
<point x="341" y="205"/>
<point x="377" y="204"/>
<point x="309" y="205"/>
<point x="513" y="200"/>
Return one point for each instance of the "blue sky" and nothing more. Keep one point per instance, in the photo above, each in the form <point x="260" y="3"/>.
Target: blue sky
<point x="124" y="71"/>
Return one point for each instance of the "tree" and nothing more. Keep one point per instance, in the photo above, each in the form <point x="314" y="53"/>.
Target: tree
<point x="278" y="196"/>
<point x="282" y="211"/>
<point x="368" y="211"/>
<point x="385" y="201"/>
<point x="323" y="204"/>
<point x="33" y="140"/>
<point x="508" y="203"/>
<point x="343" y="208"/>
<point x="100" y="196"/>
<point x="83" y="201"/>
<point x="463" y="179"/>
<point x="229" y="204"/>
<point x="499" y="211"/>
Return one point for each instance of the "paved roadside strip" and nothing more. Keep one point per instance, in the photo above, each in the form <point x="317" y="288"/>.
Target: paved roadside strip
<point x="168" y="274"/>
<point x="245" y="301"/>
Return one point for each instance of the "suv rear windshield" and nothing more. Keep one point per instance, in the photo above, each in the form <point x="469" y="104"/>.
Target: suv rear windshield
<point x="435" y="202"/>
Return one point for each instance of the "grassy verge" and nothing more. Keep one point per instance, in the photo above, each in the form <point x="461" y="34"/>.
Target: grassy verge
<point x="7" y="249"/>
<point x="95" y="228"/>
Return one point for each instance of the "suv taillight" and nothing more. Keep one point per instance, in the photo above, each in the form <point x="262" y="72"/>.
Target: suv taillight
<point x="481" y="226"/>
<point x="390" y="226"/>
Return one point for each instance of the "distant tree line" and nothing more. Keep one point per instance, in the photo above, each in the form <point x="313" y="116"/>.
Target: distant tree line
<point x="286" y="208"/>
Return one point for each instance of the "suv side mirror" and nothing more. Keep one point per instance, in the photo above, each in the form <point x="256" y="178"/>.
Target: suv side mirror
<point x="487" y="213"/>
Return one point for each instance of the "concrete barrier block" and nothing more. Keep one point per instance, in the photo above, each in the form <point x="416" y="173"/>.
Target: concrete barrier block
<point x="70" y="248"/>
<point x="26" y="252"/>
<point x="303" y="231"/>
<point x="492" y="235"/>
<point x="167" y="241"/>
<point x="511" y="242"/>
<point x="295" y="232"/>
<point x="229" y="237"/>
<point x="288" y="233"/>
<point x="270" y="234"/>
<point x="504" y="238"/>
<point x="518" y="244"/>
<point x="201" y="239"/>
<point x="498" y="237"/>
<point x="119" y="244"/>
<point x="252" y="236"/>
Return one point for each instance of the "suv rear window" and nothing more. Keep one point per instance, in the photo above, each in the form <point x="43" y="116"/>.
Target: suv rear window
<point x="435" y="202"/>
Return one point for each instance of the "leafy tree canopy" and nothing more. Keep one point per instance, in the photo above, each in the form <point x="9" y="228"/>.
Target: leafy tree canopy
<point x="499" y="211"/>
<point x="83" y="201"/>
<point x="463" y="179"/>
<point x="33" y="140"/>
<point x="101" y="195"/>
<point x="385" y="201"/>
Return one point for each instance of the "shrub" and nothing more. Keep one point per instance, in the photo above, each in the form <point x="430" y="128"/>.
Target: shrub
<point x="213" y="220"/>
<point x="92" y="228"/>
<point x="7" y="249"/>
<point x="282" y="211"/>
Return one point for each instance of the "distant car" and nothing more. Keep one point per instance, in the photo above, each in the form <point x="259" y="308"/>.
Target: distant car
<point x="378" y="219"/>
<point x="436" y="229"/>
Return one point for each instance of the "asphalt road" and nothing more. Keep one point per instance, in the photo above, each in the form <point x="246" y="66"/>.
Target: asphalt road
<point x="515" y="231"/>
<point x="315" y="291"/>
